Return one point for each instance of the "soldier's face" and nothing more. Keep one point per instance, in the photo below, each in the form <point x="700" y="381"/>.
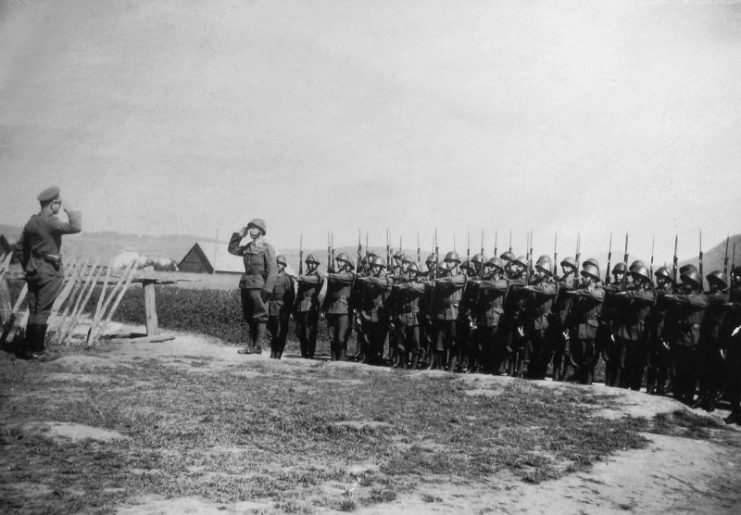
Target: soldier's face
<point x="431" y="265"/>
<point x="311" y="266"/>
<point x="281" y="267"/>
<point x="56" y="206"/>
<point x="254" y="232"/>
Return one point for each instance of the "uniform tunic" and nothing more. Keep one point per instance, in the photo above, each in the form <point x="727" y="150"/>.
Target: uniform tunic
<point x="258" y="280"/>
<point x="40" y="246"/>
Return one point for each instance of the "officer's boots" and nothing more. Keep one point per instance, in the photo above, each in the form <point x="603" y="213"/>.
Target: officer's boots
<point x="35" y="336"/>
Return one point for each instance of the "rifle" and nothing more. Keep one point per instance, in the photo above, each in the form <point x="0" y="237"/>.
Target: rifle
<point x="437" y="257"/>
<point x="725" y="259"/>
<point x="360" y="252"/>
<point x="674" y="266"/>
<point x="530" y="253"/>
<point x="527" y="259"/>
<point x="496" y="240"/>
<point x="388" y="250"/>
<point x="651" y="266"/>
<point x="481" y="270"/>
<point x="702" y="277"/>
<point x="301" y="255"/>
<point x="510" y="240"/>
<point x="419" y="250"/>
<point x="555" y="256"/>
<point x="733" y="263"/>
<point x="468" y="251"/>
<point x="577" y="257"/>
<point x="625" y="262"/>
<point x="329" y="252"/>
<point x="609" y="260"/>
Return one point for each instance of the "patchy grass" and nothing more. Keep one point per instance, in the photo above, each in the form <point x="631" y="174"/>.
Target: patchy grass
<point x="291" y="439"/>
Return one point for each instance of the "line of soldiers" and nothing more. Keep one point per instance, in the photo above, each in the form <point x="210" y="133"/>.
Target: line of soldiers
<point x="504" y="315"/>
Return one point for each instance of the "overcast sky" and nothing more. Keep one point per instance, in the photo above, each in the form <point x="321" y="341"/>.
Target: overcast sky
<point x="167" y="116"/>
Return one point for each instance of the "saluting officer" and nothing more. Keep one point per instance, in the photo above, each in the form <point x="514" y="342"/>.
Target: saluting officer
<point x="279" y="309"/>
<point x="258" y="280"/>
<point x="40" y="245"/>
<point x="307" y="307"/>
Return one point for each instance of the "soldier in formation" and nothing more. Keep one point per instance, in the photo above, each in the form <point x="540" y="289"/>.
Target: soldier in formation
<point x="506" y="315"/>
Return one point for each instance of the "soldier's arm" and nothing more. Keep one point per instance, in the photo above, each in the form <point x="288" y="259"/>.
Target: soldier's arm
<point x="310" y="279"/>
<point x="234" y="247"/>
<point x="272" y="269"/>
<point x="73" y="224"/>
<point x="342" y="277"/>
<point x="646" y="296"/>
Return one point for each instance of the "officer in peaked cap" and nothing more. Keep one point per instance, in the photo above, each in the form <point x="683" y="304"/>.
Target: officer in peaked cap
<point x="39" y="246"/>
<point x="258" y="281"/>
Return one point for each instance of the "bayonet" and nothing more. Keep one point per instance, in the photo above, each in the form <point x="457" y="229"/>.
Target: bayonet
<point x="609" y="261"/>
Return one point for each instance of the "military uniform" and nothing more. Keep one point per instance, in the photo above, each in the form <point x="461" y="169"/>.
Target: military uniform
<point x="338" y="310"/>
<point x="257" y="283"/>
<point x="710" y="360"/>
<point x="406" y="321"/>
<point x="306" y="311"/>
<point x="40" y="246"/>
<point x="489" y="311"/>
<point x="280" y="303"/>
<point x="731" y="346"/>
<point x="514" y="313"/>
<point x="374" y="314"/>
<point x="539" y="327"/>
<point x="560" y="334"/>
<point x="632" y="334"/>
<point x="584" y="320"/>
<point x="448" y="291"/>
<point x="659" y="356"/>
<point x="683" y="334"/>
<point x="613" y="349"/>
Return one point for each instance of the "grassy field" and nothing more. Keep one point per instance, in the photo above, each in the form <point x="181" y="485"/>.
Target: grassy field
<point x="301" y="436"/>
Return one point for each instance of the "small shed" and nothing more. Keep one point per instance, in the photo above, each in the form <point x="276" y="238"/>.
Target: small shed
<point x="210" y="258"/>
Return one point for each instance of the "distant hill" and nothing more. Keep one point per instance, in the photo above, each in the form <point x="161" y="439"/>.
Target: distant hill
<point x="108" y="244"/>
<point x="713" y="258"/>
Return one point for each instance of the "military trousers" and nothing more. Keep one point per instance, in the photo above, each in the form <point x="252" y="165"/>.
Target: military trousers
<point x="307" y="324"/>
<point x="43" y="290"/>
<point x="339" y="328"/>
<point x="278" y="327"/>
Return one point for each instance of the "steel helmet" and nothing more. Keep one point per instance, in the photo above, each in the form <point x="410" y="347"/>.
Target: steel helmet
<point x="618" y="268"/>
<point x="520" y="260"/>
<point x="259" y="223"/>
<point x="508" y="256"/>
<point x="496" y="262"/>
<point x="310" y="259"/>
<point x="376" y="261"/>
<point x="399" y="254"/>
<point x="718" y="277"/>
<point x="414" y="267"/>
<point x="568" y="261"/>
<point x="452" y="256"/>
<point x="591" y="261"/>
<point x="544" y="263"/>
<point x="640" y="270"/>
<point x="344" y="258"/>
<point x="281" y="260"/>
<point x="634" y="264"/>
<point x="432" y="258"/>
<point x="370" y="254"/>
<point x="467" y="265"/>
<point x="591" y="270"/>
<point x="406" y="259"/>
<point x="687" y="268"/>
<point x="478" y="258"/>
<point x="737" y="270"/>
<point x="691" y="275"/>
<point x="664" y="272"/>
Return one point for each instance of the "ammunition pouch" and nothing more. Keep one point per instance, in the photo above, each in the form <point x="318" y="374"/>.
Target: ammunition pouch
<point x="54" y="260"/>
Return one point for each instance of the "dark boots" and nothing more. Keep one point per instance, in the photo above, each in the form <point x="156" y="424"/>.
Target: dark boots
<point x="35" y="337"/>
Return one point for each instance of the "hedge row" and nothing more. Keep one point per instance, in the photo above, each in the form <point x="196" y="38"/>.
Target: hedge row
<point x="213" y="312"/>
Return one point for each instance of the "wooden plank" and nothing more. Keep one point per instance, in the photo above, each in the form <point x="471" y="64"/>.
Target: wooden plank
<point x="142" y="339"/>
<point x="150" y="308"/>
